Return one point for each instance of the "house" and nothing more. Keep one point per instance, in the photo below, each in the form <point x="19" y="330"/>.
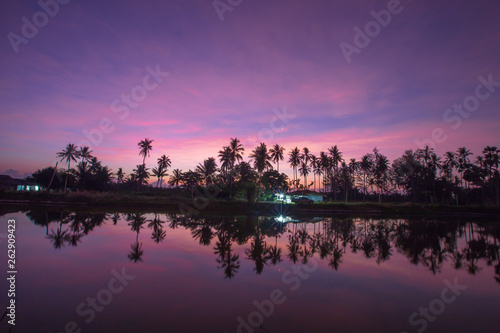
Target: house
<point x="9" y="183"/>
<point x="312" y="195"/>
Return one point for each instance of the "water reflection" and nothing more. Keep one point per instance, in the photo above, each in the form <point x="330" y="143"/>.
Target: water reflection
<point x="268" y="241"/>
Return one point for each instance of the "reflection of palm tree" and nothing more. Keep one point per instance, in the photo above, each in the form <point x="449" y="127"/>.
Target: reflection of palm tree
<point x="136" y="223"/>
<point x="115" y="218"/>
<point x="336" y="257"/>
<point x="203" y="234"/>
<point x="367" y="244"/>
<point x="231" y="264"/>
<point x="74" y="239"/>
<point x="275" y="253"/>
<point x="257" y="252"/>
<point x="294" y="249"/>
<point x="58" y="237"/>
<point x="227" y="260"/>
<point x="136" y="253"/>
<point x="158" y="234"/>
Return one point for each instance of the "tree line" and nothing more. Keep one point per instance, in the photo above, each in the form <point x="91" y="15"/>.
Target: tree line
<point x="418" y="175"/>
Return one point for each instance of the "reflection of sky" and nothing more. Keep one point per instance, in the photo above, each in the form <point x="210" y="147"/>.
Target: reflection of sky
<point x="227" y="77"/>
<point x="179" y="288"/>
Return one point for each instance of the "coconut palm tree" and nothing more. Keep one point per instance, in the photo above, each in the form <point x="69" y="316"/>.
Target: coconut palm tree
<point x="261" y="159"/>
<point x="325" y="163"/>
<point x="144" y="148"/>
<point x="315" y="168"/>
<point x="366" y="166"/>
<point x="176" y="177"/>
<point x="159" y="173"/>
<point x="380" y="172"/>
<point x="236" y="155"/>
<point x="336" y="159"/>
<point x="306" y="155"/>
<point x="353" y="169"/>
<point x="237" y="151"/>
<point x="207" y="170"/>
<point x="449" y="164"/>
<point x="164" y="162"/>
<point x="277" y="154"/>
<point x="141" y="174"/>
<point x="491" y="159"/>
<point x="85" y="154"/>
<point x="225" y="159"/>
<point x="463" y="161"/>
<point x="304" y="171"/>
<point x="294" y="160"/>
<point x="69" y="154"/>
<point x="120" y="175"/>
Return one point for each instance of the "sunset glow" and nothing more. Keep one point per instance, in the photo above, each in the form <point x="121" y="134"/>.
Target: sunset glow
<point x="225" y="78"/>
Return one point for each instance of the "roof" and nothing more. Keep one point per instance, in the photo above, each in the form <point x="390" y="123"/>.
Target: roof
<point x="305" y="192"/>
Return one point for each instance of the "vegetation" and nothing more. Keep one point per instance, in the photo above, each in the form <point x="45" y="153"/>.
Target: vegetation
<point x="419" y="176"/>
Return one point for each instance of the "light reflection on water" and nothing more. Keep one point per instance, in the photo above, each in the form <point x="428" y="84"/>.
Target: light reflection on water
<point x="211" y="274"/>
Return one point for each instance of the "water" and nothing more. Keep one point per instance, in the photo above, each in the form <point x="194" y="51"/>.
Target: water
<point x="83" y="272"/>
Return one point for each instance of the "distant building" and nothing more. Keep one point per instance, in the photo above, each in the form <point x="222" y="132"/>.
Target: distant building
<point x="9" y="183"/>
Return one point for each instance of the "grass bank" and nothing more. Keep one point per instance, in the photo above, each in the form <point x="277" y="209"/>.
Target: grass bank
<point x="151" y="202"/>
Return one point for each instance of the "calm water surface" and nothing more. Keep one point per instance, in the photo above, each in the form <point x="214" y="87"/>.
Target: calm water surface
<point x="83" y="272"/>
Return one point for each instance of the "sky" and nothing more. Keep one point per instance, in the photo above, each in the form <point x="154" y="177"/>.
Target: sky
<point x="192" y="74"/>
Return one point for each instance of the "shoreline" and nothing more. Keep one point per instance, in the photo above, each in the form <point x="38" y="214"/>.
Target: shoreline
<point x="144" y="203"/>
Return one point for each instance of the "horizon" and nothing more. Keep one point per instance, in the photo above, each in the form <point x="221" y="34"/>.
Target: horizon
<point x="394" y="88"/>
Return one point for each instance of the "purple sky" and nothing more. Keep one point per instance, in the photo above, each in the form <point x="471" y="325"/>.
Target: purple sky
<point x="226" y="78"/>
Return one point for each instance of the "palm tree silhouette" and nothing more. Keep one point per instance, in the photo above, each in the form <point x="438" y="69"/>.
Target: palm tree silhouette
<point x="277" y="154"/>
<point x="366" y="166"/>
<point x="176" y="177"/>
<point x="304" y="171"/>
<point x="326" y="164"/>
<point x="316" y="169"/>
<point x="207" y="170"/>
<point x="120" y="175"/>
<point x="141" y="174"/>
<point x="69" y="154"/>
<point x="159" y="173"/>
<point x="336" y="159"/>
<point x="85" y="154"/>
<point x="463" y="162"/>
<point x="144" y="148"/>
<point x="164" y="161"/>
<point x="380" y="172"/>
<point x="163" y="164"/>
<point x="261" y="159"/>
<point x="236" y="155"/>
<point x="294" y="160"/>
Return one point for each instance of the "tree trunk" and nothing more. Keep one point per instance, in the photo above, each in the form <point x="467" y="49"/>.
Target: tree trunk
<point x="53" y="175"/>
<point x="66" y="180"/>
